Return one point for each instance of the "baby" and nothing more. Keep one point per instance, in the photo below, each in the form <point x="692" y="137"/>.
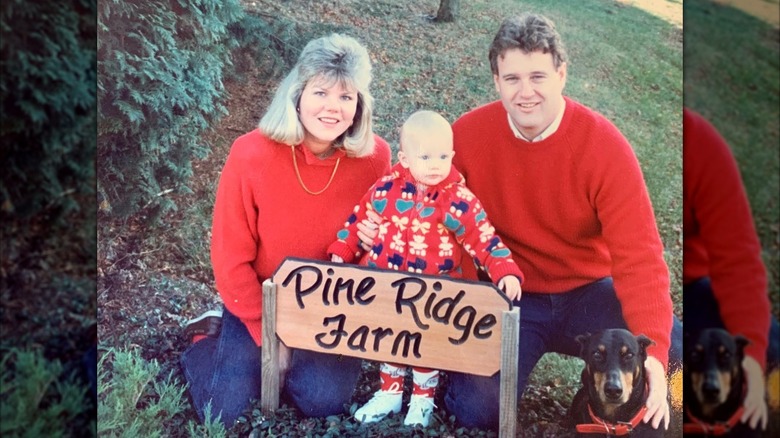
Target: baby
<point x="428" y="218"/>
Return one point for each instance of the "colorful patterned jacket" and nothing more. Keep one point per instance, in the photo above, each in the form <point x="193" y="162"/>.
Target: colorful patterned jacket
<point x="424" y="228"/>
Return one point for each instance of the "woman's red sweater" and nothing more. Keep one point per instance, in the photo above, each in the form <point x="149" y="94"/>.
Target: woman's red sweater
<point x="262" y="214"/>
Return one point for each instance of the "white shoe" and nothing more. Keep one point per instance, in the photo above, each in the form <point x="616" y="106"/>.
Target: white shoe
<point x="380" y="405"/>
<point x="420" y="410"/>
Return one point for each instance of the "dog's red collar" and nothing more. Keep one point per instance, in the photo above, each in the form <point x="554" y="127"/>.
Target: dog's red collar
<point x="616" y="429"/>
<point x="714" y="429"/>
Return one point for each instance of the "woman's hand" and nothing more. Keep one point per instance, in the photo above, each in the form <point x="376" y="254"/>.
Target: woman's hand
<point x="368" y="229"/>
<point x="336" y="259"/>
<point x="657" y="403"/>
<point x="510" y="285"/>
<point x="755" y="402"/>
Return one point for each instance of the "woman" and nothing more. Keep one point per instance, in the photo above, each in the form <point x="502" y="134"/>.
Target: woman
<point x="284" y="191"/>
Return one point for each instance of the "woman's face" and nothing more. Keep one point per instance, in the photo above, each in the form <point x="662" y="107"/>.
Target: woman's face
<point x="326" y="110"/>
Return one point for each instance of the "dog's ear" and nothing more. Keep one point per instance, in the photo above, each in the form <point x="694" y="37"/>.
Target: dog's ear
<point x="741" y="342"/>
<point x="583" y="340"/>
<point x="644" y="342"/>
<point x="585" y="376"/>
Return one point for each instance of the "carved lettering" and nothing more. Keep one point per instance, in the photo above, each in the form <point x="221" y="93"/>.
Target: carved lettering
<point x="336" y="333"/>
<point x="470" y="313"/>
<point x="407" y="337"/>
<point x="389" y="316"/>
<point x="402" y="300"/>
<point x="300" y="291"/>
<point x="449" y="304"/>
<point x="379" y="334"/>
<point x="485" y="323"/>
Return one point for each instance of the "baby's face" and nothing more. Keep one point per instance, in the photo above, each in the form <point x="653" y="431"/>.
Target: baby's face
<point x="429" y="158"/>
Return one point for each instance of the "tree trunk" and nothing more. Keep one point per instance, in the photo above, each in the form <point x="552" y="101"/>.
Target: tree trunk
<point x="448" y="11"/>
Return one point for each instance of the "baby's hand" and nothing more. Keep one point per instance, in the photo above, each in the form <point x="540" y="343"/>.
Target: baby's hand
<point x="336" y="259"/>
<point x="510" y="285"/>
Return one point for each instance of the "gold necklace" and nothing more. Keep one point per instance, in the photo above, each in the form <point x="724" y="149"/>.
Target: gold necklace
<point x="298" y="174"/>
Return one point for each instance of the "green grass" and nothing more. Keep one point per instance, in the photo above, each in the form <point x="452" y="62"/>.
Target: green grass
<point x="560" y="373"/>
<point x="732" y="77"/>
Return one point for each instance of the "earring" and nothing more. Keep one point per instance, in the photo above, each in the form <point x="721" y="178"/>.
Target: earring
<point x="297" y="109"/>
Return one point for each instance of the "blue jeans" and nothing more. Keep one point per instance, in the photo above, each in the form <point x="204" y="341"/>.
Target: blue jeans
<point x="226" y="371"/>
<point x="702" y="311"/>
<point x="548" y="323"/>
<point x="89" y="360"/>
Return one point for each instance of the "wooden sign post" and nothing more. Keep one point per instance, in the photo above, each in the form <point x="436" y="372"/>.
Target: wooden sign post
<point x="390" y="316"/>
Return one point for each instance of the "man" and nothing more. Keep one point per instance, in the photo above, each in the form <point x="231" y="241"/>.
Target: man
<point x="724" y="277"/>
<point x="567" y="196"/>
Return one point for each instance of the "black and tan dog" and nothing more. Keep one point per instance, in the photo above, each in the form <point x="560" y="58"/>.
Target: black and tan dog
<point x="612" y="399"/>
<point x="714" y="384"/>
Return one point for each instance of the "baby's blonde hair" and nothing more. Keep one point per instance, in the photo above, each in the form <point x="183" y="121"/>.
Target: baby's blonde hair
<point x="421" y="123"/>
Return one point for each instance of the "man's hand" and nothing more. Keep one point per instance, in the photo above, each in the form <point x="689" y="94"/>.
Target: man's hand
<point x="368" y="229"/>
<point x="755" y="403"/>
<point x="336" y="259"/>
<point x="511" y="287"/>
<point x="657" y="403"/>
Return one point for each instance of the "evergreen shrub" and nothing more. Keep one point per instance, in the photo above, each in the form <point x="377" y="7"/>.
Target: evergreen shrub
<point x="39" y="399"/>
<point x="48" y="106"/>
<point x="134" y="401"/>
<point x="160" y="72"/>
<point x="131" y="401"/>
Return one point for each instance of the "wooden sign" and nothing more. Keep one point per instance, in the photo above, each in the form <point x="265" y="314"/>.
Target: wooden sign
<point x="390" y="316"/>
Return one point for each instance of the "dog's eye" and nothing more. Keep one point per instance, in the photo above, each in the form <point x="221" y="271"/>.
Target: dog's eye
<point x="628" y="356"/>
<point x="598" y="356"/>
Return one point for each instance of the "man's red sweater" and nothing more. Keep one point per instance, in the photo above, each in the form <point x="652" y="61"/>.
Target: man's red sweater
<point x="573" y="208"/>
<point x="719" y="238"/>
<point x="262" y="215"/>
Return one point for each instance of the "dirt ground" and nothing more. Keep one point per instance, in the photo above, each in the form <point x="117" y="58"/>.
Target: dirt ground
<point x="672" y="10"/>
<point x="767" y="10"/>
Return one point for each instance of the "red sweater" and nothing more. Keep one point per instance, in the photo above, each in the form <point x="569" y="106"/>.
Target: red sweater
<point x="422" y="230"/>
<point x="719" y="239"/>
<point x="262" y="215"/>
<point x="573" y="208"/>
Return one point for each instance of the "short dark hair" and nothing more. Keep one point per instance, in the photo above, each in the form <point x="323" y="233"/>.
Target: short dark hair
<point x="529" y="33"/>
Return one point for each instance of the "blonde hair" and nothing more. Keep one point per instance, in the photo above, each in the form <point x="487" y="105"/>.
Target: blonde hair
<point x="335" y="59"/>
<point x="423" y="121"/>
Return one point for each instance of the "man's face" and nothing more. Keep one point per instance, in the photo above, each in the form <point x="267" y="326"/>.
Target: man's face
<point x="531" y="89"/>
